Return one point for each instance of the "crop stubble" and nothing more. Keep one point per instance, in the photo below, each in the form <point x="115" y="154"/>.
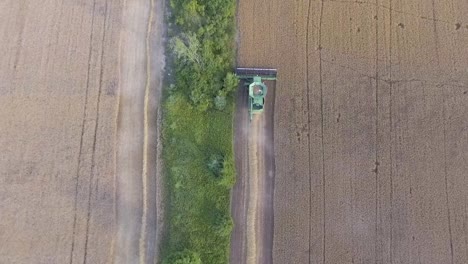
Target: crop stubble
<point x="370" y="136"/>
<point x="58" y="92"/>
<point x="59" y="87"/>
<point x="252" y="196"/>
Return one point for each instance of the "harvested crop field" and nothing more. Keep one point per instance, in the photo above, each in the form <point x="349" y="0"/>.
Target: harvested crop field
<point x="68" y="192"/>
<point x="370" y="127"/>
<point x="252" y="196"/>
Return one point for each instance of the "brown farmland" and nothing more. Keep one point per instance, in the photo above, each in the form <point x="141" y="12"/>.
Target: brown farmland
<point x="75" y="78"/>
<point x="252" y="196"/>
<point x="370" y="128"/>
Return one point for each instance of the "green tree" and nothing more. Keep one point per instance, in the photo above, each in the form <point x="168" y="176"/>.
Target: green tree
<point x="186" y="48"/>
<point x="187" y="13"/>
<point x="183" y="257"/>
<point x="231" y="82"/>
<point x="200" y="98"/>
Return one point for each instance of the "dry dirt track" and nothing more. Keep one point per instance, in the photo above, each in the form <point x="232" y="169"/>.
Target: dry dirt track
<point x="371" y="127"/>
<point x="138" y="191"/>
<point x="62" y="70"/>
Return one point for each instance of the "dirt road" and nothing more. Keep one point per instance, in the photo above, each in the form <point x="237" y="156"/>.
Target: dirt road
<point x="370" y="127"/>
<point x="138" y="191"/>
<point x="64" y="197"/>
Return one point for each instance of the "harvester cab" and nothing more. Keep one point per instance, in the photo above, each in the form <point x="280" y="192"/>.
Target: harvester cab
<point x="253" y="78"/>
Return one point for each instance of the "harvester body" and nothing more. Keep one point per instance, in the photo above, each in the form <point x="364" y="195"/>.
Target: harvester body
<point x="253" y="78"/>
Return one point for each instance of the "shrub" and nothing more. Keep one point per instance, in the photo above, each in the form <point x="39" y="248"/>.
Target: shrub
<point x="228" y="173"/>
<point x="215" y="164"/>
<point x="220" y="102"/>
<point x="223" y="224"/>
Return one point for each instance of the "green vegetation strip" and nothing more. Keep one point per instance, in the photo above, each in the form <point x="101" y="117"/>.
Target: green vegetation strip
<point x="198" y="133"/>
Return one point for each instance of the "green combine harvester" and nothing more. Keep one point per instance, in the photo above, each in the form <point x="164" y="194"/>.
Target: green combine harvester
<point x="253" y="78"/>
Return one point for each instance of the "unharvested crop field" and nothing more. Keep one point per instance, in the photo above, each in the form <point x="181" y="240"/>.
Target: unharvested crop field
<point x="370" y="127"/>
<point x="74" y="81"/>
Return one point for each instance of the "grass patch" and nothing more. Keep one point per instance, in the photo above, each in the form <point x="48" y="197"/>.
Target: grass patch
<point x="197" y="133"/>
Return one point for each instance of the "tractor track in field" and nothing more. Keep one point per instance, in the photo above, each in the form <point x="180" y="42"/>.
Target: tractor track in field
<point x="81" y="138"/>
<point x="96" y="126"/>
<point x="308" y="103"/>
<point x="322" y="136"/>
<point x="377" y="143"/>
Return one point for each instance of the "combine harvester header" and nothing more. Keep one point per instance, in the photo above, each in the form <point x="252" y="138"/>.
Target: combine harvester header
<point x="254" y="78"/>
